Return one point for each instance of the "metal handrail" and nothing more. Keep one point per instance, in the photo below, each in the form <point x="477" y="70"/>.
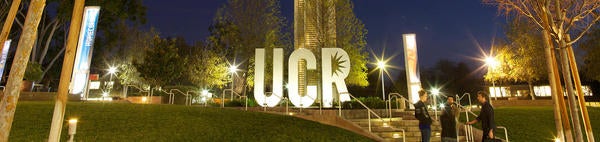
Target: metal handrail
<point x="187" y="96"/>
<point x="369" y="111"/>
<point x="469" y="129"/>
<point x="188" y="92"/>
<point x="505" y="131"/>
<point x="137" y="87"/>
<point x="406" y="100"/>
<point x="232" y="92"/>
<point x="390" y="95"/>
<point x="458" y="98"/>
<point x="469" y="133"/>
<point x="171" y="95"/>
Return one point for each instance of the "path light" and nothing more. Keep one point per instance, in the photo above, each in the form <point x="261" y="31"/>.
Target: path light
<point x="72" y="128"/>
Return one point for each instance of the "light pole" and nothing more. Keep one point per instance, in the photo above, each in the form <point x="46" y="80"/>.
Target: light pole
<point x="492" y="64"/>
<point x="435" y="92"/>
<point x="111" y="71"/>
<point x="232" y="70"/>
<point x="381" y="66"/>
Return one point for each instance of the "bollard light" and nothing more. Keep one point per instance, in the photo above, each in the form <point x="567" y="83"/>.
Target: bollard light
<point x="72" y="126"/>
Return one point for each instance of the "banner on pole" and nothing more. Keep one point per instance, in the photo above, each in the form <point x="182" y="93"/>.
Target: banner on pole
<point x="412" y="68"/>
<point x="85" y="44"/>
<point x="3" y="58"/>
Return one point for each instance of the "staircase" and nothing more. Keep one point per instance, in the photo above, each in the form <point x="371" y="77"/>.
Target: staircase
<point x="391" y="129"/>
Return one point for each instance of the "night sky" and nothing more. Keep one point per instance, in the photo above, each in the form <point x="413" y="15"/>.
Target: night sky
<point x="445" y="29"/>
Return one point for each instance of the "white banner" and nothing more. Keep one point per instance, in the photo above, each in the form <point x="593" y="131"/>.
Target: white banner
<point x="412" y="68"/>
<point x="85" y="44"/>
<point x="3" y="58"/>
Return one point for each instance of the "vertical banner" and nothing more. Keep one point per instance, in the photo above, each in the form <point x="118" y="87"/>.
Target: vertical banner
<point x="412" y="68"/>
<point x="83" y="55"/>
<point x="3" y="58"/>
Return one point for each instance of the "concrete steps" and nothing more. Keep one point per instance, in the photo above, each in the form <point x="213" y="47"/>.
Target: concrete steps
<point x="391" y="129"/>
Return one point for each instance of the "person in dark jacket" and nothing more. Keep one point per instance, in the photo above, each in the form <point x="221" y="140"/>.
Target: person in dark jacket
<point x="448" y="120"/>
<point x="486" y="116"/>
<point x="422" y="114"/>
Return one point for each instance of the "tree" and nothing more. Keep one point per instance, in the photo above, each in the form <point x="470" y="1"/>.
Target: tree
<point x="161" y="63"/>
<point x="450" y="77"/>
<point x="134" y="41"/>
<point x="522" y="54"/>
<point x="591" y="46"/>
<point x="350" y="35"/>
<point x="207" y="68"/>
<point x="564" y="23"/>
<point x="239" y="27"/>
<point x="52" y="33"/>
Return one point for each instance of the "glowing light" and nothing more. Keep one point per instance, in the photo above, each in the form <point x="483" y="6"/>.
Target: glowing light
<point x="112" y="70"/>
<point x="72" y="126"/>
<point x="104" y="94"/>
<point x="492" y="62"/>
<point x="556" y="140"/>
<point x="72" y="120"/>
<point x="435" y="91"/>
<point x="385" y="124"/>
<point x="144" y="99"/>
<point x="291" y="113"/>
<point x="204" y="92"/>
<point x="232" y="69"/>
<point x="442" y="105"/>
<point x="396" y="135"/>
<point x="381" y="64"/>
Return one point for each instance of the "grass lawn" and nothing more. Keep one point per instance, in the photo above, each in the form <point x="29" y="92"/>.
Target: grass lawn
<point x="134" y="122"/>
<point x="534" y="123"/>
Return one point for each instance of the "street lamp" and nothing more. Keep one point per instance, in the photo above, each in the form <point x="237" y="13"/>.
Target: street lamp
<point x="232" y="70"/>
<point x="435" y="92"/>
<point x="381" y="66"/>
<point x="111" y="71"/>
<point x="492" y="64"/>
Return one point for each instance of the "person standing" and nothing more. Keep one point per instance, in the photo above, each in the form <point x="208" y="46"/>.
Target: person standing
<point x="486" y="116"/>
<point x="448" y="120"/>
<point x="422" y="114"/>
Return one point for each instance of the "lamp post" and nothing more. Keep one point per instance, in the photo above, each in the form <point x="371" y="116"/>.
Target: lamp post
<point x="232" y="70"/>
<point x="381" y="66"/>
<point x="435" y="92"/>
<point x="492" y="64"/>
<point x="72" y="129"/>
<point x="111" y="72"/>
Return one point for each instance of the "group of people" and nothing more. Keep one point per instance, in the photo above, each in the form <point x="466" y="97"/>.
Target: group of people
<point x="449" y="117"/>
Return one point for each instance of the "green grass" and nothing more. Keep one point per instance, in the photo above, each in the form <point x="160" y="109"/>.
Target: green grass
<point x="133" y="122"/>
<point x="533" y="123"/>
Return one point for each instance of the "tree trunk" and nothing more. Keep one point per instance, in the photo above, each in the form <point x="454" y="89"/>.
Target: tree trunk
<point x="66" y="72"/>
<point x="531" y="92"/>
<point x="7" y="26"/>
<point x="9" y="102"/>
<point x="569" y="85"/>
<point x="562" y="126"/>
<point x="584" y="112"/>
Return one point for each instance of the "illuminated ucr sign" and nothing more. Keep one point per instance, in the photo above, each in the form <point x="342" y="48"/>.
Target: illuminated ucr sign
<point x="329" y="77"/>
